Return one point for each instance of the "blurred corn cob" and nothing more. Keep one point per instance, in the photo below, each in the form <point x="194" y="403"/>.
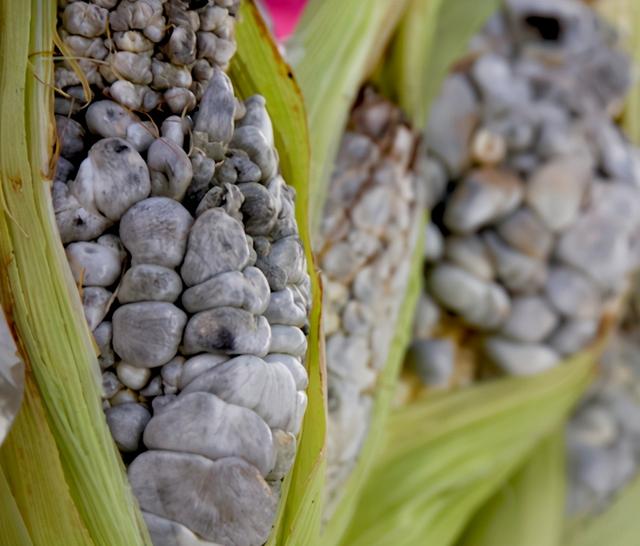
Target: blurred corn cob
<point x="203" y="376"/>
<point x="369" y="232"/>
<point x="535" y="197"/>
<point x="603" y="436"/>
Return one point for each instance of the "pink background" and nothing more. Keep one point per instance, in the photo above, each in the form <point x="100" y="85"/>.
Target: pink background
<point x="285" y="15"/>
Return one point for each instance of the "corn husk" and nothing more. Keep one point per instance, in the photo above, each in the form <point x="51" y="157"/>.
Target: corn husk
<point x="446" y="454"/>
<point x="258" y="67"/>
<point x="335" y="46"/>
<point x="432" y="35"/>
<point x="527" y="509"/>
<point x="38" y="292"/>
<point x="13" y="529"/>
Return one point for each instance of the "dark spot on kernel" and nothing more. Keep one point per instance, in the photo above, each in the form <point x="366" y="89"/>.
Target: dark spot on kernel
<point x="119" y="148"/>
<point x="223" y="340"/>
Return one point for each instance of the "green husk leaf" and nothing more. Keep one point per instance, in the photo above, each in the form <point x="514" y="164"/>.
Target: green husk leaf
<point x="528" y="509"/>
<point x="431" y="36"/>
<point x="37" y="289"/>
<point x="439" y="448"/>
<point x="30" y="463"/>
<point x="625" y="15"/>
<point x="385" y="389"/>
<point x="618" y="525"/>
<point x="335" y="46"/>
<point x="12" y="528"/>
<point x="258" y="67"/>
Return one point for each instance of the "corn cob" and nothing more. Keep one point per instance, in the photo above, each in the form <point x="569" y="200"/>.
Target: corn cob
<point x="184" y="244"/>
<point x="603" y="437"/>
<point x="368" y="233"/>
<point x="535" y="197"/>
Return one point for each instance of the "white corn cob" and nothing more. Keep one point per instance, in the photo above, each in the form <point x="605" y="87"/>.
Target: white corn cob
<point x="535" y="196"/>
<point x="182" y="235"/>
<point x="368" y="236"/>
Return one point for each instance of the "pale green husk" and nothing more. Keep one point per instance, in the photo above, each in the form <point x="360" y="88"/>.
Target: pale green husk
<point x="447" y="454"/>
<point x="528" y="509"/>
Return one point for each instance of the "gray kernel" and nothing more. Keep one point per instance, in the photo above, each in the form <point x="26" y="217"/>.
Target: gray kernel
<point x="197" y="365"/>
<point x="517" y="271"/>
<point x="531" y="319"/>
<point x="427" y="317"/>
<point x="161" y="402"/>
<point x="288" y="340"/>
<point x="132" y="376"/>
<point x="453" y="118"/>
<point x="470" y="253"/>
<point x="174" y="128"/>
<point x="153" y="388"/>
<point x="251" y="140"/>
<point x="482" y="197"/>
<point x="95" y="302"/>
<point x="247" y="170"/>
<point x="147" y="334"/>
<point x="123" y="396"/>
<point x="132" y="40"/>
<point x="181" y="48"/>
<point x="572" y="293"/>
<point x="212" y="17"/>
<point x="165" y="532"/>
<point x="217" y="243"/>
<point x="284" y="309"/>
<point x="167" y="76"/>
<point x="229" y="330"/>
<point x="84" y="19"/>
<point x="573" y="335"/>
<point x="111" y="179"/>
<point x="130" y="95"/>
<point x="133" y="67"/>
<point x="70" y="136"/>
<point x="596" y="245"/>
<point x="520" y="358"/>
<point x="256" y="115"/>
<point x="147" y="282"/>
<point x="556" y="189"/>
<point x="108" y="119"/>
<point x="214" y="119"/>
<point x="155" y="231"/>
<point x="525" y="231"/>
<point x="433" y="360"/>
<point x="141" y="135"/>
<point x="169" y="168"/>
<point x="180" y="100"/>
<point x="259" y="212"/>
<point x="250" y="382"/>
<point x="126" y="422"/>
<point x="284" y="444"/>
<point x="110" y="385"/>
<point x="203" y="424"/>
<point x="248" y="290"/>
<point x="295" y="367"/>
<point x="221" y="501"/>
<point x="481" y="303"/>
<point x="433" y="243"/>
<point x="102" y="335"/>
<point x="93" y="264"/>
